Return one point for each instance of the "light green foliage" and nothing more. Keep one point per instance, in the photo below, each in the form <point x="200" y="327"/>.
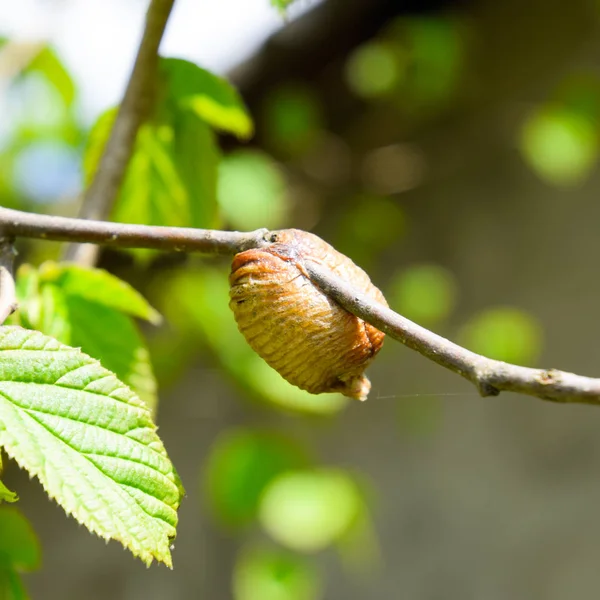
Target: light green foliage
<point x="93" y="310"/>
<point x="425" y="293"/>
<point x="197" y="158"/>
<point x="19" y="547"/>
<point x="50" y="66"/>
<point x="282" y="5"/>
<point x="309" y="510"/>
<point x="504" y="333"/>
<point x="6" y="495"/>
<point x="19" y="553"/>
<point x="211" y="98"/>
<point x="171" y="178"/>
<point x="267" y="574"/>
<point x="240" y="465"/>
<point x="89" y="440"/>
<point x="11" y="586"/>
<point x="251" y="191"/>
<point x="196" y="305"/>
<point x="560" y="145"/>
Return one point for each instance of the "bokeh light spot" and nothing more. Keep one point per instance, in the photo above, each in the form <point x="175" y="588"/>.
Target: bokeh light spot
<point x="251" y="191"/>
<point x="373" y="70"/>
<point x="265" y="574"/>
<point x="425" y="293"/>
<point x="561" y="146"/>
<point x="307" y="511"/>
<point x="504" y="333"/>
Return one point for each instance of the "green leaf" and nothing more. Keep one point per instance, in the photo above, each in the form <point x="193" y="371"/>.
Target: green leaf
<point x="90" y="308"/>
<point x="97" y="140"/>
<point x="282" y="5"/>
<point x="171" y="178"/>
<point x="89" y="440"/>
<point x="50" y="66"/>
<point x="19" y="547"/>
<point x="197" y="157"/>
<point x="11" y="586"/>
<point x="210" y="97"/>
<point x="6" y="495"/>
<point x="100" y="287"/>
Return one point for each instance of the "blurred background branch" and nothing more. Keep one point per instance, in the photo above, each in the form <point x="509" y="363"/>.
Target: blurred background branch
<point x="134" y="109"/>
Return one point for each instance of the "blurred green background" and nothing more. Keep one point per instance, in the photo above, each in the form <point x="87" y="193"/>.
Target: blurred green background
<point x="449" y="148"/>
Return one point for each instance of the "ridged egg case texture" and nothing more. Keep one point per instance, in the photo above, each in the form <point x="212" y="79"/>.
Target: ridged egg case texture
<point x="307" y="337"/>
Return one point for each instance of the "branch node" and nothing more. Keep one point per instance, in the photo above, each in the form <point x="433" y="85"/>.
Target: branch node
<point x="487" y="389"/>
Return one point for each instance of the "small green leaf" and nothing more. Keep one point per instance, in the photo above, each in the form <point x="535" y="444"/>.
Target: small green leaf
<point x="197" y="157"/>
<point x="97" y="140"/>
<point x="19" y="547"/>
<point x="100" y="287"/>
<point x="171" y="177"/>
<point x="6" y="495"/>
<point x="90" y="308"/>
<point x="282" y="5"/>
<point x="28" y="293"/>
<point x="11" y="586"/>
<point x="210" y="97"/>
<point x="50" y="66"/>
<point x="153" y="192"/>
<point x="89" y="440"/>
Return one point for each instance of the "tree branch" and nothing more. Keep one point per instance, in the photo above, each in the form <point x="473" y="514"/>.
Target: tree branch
<point x="489" y="376"/>
<point x="132" y="113"/>
<point x="119" y="235"/>
<point x="8" y="293"/>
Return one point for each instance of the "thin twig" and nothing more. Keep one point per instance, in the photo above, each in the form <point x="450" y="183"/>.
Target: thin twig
<point x="8" y="292"/>
<point x="134" y="110"/>
<point x="489" y="376"/>
<point x="119" y="235"/>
